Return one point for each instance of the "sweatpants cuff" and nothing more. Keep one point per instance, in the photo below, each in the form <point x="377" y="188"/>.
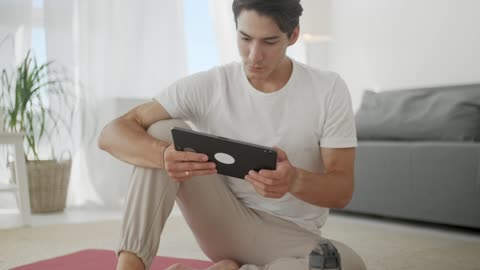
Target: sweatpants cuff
<point x="140" y="249"/>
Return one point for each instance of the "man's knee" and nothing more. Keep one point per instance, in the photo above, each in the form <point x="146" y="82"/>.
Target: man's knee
<point x="161" y="130"/>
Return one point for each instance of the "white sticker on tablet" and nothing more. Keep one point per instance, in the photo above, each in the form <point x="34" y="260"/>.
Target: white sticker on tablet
<point x="224" y="158"/>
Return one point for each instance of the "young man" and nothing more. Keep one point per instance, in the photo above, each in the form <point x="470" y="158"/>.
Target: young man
<point x="270" y="219"/>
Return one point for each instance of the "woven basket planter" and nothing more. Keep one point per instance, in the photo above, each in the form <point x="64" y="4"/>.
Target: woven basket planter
<point x="47" y="184"/>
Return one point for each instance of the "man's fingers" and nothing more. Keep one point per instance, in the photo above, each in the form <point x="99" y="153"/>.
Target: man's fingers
<point x="268" y="188"/>
<point x="184" y="175"/>
<point x="186" y="156"/>
<point x="189" y="156"/>
<point x="190" y="166"/>
<point x="265" y="190"/>
<point x="270" y="174"/>
<point x="281" y="155"/>
<point x="266" y="177"/>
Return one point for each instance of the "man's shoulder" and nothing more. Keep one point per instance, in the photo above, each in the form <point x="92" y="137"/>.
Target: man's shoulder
<point x="316" y="73"/>
<point x="219" y="71"/>
<point x="208" y="75"/>
<point x="318" y="79"/>
<point x="213" y="78"/>
<point x="231" y="68"/>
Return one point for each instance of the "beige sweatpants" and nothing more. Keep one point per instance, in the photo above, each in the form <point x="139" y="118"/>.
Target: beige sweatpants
<point x="223" y="227"/>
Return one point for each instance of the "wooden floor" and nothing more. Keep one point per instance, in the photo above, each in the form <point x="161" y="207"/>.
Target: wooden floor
<point x="383" y="243"/>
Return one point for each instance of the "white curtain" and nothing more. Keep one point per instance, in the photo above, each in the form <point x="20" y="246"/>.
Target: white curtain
<point x="15" y="31"/>
<point x="224" y="25"/>
<point x="122" y="52"/>
<point x="15" y="38"/>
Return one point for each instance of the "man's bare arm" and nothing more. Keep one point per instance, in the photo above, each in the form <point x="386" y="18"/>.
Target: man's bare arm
<point x="332" y="189"/>
<point x="127" y="139"/>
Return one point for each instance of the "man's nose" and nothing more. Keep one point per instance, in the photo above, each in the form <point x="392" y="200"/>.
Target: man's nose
<point x="255" y="54"/>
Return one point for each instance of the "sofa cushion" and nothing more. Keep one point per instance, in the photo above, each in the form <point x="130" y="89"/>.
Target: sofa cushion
<point x="440" y="113"/>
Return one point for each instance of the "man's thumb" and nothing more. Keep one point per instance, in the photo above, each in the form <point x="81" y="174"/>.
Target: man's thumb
<point x="281" y="155"/>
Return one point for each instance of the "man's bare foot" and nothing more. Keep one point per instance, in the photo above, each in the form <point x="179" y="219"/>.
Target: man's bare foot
<point x="130" y="261"/>
<point x="178" y="266"/>
<point x="224" y="265"/>
<point x="221" y="265"/>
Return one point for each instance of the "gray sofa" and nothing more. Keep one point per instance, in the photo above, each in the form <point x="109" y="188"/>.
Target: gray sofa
<point x="419" y="155"/>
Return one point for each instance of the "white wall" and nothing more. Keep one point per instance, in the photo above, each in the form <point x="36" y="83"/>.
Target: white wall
<point x="386" y="44"/>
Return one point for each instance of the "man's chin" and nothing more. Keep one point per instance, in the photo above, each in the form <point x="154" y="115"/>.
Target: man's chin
<point x="254" y="76"/>
<point x="257" y="75"/>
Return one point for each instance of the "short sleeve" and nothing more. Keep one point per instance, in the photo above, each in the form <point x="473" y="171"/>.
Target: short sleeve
<point x="339" y="130"/>
<point x="189" y="98"/>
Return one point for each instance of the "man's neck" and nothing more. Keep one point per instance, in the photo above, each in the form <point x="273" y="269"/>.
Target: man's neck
<point x="277" y="80"/>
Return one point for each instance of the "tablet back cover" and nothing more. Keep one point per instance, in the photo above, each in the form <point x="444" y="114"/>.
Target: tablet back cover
<point x="232" y="157"/>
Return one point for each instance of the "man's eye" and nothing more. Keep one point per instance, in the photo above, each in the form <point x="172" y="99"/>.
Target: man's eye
<point x="270" y="43"/>
<point x="244" y="38"/>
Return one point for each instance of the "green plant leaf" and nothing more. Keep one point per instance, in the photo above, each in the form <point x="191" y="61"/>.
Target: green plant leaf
<point x="39" y="102"/>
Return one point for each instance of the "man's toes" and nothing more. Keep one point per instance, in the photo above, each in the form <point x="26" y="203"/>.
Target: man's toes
<point x="178" y="266"/>
<point x="224" y="265"/>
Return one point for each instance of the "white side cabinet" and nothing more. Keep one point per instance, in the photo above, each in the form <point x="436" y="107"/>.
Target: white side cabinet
<point x="21" y="187"/>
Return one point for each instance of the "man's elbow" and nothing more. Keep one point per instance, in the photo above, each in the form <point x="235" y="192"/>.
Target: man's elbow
<point x="345" y="199"/>
<point x="102" y="141"/>
<point x="342" y="203"/>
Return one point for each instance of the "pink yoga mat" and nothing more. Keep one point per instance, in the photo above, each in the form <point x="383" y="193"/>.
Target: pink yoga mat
<point x="96" y="259"/>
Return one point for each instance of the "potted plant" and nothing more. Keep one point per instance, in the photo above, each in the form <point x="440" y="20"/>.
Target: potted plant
<point x="40" y="103"/>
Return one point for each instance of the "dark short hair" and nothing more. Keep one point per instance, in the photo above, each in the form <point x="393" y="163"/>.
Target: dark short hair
<point x="286" y="13"/>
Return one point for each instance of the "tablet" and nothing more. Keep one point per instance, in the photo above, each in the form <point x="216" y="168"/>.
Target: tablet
<point x="233" y="158"/>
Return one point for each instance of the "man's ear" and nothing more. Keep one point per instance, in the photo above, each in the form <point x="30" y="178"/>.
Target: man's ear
<point x="294" y="36"/>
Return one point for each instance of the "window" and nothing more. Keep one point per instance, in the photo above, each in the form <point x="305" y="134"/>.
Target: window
<point x="38" y="32"/>
<point x="199" y="36"/>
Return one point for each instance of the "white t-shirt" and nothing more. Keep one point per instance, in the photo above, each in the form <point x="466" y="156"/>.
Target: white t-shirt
<point x="312" y="110"/>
